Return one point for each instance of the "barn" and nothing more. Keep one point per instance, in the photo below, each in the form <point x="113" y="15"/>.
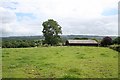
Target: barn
<point x="81" y="43"/>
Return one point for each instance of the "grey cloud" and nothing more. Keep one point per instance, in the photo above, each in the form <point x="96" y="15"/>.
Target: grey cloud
<point x="9" y="5"/>
<point x="98" y="26"/>
<point x="6" y="16"/>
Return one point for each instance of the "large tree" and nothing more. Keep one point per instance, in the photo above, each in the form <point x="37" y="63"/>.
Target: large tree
<point x="106" y="41"/>
<point x="51" y="31"/>
<point x="116" y="40"/>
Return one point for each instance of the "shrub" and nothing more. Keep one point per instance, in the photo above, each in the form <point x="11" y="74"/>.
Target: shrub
<point x="106" y="41"/>
<point x="45" y="45"/>
<point x="18" y="43"/>
<point x="115" y="47"/>
<point x="116" y="40"/>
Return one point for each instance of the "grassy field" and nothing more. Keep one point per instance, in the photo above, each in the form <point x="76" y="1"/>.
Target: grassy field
<point x="60" y="62"/>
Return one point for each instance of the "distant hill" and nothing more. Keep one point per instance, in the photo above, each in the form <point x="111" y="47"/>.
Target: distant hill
<point x="65" y="37"/>
<point x="86" y="36"/>
<point x="23" y="38"/>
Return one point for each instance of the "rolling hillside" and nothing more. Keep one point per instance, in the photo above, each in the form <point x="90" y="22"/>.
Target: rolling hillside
<point x="60" y="62"/>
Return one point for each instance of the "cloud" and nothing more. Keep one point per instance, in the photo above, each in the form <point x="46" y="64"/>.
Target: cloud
<point x="98" y="26"/>
<point x="66" y="8"/>
<point x="11" y="26"/>
<point x="75" y="16"/>
<point x="6" y="16"/>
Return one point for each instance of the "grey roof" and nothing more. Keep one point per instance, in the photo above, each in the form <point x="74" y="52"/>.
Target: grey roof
<point x="82" y="42"/>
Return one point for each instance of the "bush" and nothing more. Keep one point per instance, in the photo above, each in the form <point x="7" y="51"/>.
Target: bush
<point x="106" y="41"/>
<point x="95" y="39"/>
<point x="116" y="40"/>
<point x="19" y="43"/>
<point x="115" y="47"/>
<point x="45" y="45"/>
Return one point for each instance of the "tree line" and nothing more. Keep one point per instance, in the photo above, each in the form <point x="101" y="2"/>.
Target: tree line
<point x="35" y="43"/>
<point x="20" y="43"/>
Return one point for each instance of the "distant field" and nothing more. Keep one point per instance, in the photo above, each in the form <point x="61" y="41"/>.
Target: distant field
<point x="60" y="62"/>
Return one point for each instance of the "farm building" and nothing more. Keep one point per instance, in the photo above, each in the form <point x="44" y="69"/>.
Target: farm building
<point x="81" y="43"/>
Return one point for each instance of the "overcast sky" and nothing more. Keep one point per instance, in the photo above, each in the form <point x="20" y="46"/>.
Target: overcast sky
<point x="25" y="17"/>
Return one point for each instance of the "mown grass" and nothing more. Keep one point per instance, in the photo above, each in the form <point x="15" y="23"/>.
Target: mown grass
<point x="60" y="62"/>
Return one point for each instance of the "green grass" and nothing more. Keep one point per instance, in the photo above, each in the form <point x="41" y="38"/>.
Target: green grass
<point x="60" y="62"/>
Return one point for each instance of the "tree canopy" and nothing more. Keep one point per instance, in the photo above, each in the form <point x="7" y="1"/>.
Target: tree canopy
<point x="116" y="40"/>
<point x="51" y="31"/>
<point x="106" y="41"/>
